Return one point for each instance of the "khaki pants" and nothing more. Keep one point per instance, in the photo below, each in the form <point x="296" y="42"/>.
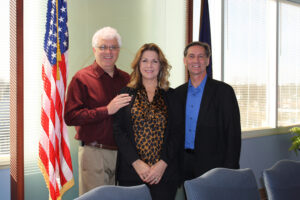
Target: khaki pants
<point x="96" y="167"/>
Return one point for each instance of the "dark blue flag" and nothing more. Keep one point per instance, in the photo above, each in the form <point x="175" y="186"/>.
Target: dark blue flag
<point x="204" y="35"/>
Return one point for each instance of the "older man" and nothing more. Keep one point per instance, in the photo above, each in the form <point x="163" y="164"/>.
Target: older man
<point x="91" y="101"/>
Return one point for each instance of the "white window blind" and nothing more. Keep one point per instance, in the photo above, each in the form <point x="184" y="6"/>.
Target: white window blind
<point x="289" y="64"/>
<point x="4" y="84"/>
<point x="248" y="57"/>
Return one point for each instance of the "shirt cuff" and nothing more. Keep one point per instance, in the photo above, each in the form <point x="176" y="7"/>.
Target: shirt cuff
<point x="102" y="112"/>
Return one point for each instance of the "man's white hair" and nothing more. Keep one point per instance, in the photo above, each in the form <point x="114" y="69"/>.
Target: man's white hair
<point x="106" y="33"/>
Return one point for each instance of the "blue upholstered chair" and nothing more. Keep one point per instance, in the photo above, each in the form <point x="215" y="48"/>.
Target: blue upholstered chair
<point x="111" y="192"/>
<point x="282" y="181"/>
<point x="223" y="184"/>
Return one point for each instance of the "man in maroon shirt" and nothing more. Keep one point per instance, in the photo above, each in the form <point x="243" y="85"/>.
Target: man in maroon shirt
<point x="91" y="101"/>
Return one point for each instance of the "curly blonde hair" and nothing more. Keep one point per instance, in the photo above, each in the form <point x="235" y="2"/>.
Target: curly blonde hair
<point x="163" y="75"/>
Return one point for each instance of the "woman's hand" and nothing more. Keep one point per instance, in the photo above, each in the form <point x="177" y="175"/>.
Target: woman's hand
<point x="142" y="169"/>
<point x="156" y="172"/>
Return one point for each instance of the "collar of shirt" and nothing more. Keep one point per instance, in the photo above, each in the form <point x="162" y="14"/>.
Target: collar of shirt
<point x="99" y="71"/>
<point x="198" y="89"/>
<point x="144" y="95"/>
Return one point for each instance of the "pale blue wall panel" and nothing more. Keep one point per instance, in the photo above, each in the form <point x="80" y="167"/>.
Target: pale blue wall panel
<point x="5" y="184"/>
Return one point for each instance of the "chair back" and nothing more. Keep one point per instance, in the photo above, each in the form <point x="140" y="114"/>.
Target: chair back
<point x="112" y="192"/>
<point x="282" y="180"/>
<point x="223" y="184"/>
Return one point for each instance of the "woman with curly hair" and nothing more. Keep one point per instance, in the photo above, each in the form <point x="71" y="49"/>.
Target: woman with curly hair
<point x="147" y="145"/>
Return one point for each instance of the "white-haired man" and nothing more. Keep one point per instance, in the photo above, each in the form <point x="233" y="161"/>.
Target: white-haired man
<point x="91" y="101"/>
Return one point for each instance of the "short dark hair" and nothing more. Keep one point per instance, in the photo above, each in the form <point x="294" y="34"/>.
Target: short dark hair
<point x="201" y="44"/>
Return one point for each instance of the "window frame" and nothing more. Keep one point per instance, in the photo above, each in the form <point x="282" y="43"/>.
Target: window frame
<point x="16" y="100"/>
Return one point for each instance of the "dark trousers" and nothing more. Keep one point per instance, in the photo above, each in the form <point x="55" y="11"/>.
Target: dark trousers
<point x="160" y="191"/>
<point x="189" y="165"/>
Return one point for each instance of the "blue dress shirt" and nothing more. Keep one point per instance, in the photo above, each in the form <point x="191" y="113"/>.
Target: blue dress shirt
<point x="193" y="102"/>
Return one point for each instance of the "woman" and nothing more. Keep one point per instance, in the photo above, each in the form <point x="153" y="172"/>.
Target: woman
<point x="147" y="147"/>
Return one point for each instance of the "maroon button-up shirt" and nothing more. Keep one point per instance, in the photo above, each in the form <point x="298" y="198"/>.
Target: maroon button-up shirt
<point x="89" y="92"/>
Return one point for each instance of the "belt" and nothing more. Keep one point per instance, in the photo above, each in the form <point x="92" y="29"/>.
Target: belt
<point x="101" y="146"/>
<point x="189" y="151"/>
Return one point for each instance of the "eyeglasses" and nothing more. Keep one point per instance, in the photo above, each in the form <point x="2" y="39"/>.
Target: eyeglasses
<point x="112" y="48"/>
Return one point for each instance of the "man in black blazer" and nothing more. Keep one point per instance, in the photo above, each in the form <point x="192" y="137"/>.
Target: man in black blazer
<point x="208" y="114"/>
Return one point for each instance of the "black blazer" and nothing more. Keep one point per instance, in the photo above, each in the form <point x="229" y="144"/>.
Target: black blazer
<point x="127" y="153"/>
<point x="218" y="131"/>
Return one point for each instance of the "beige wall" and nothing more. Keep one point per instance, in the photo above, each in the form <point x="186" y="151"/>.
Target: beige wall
<point x="137" y="21"/>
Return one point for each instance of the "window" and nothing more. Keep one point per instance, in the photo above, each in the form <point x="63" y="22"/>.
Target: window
<point x="262" y="61"/>
<point x="259" y="56"/>
<point x="4" y="84"/>
<point x="250" y="35"/>
<point x="289" y="65"/>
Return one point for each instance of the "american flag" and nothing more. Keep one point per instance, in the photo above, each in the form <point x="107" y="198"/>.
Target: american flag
<point x="54" y="148"/>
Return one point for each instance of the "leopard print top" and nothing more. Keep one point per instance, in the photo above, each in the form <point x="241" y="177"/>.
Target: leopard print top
<point x="149" y="124"/>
